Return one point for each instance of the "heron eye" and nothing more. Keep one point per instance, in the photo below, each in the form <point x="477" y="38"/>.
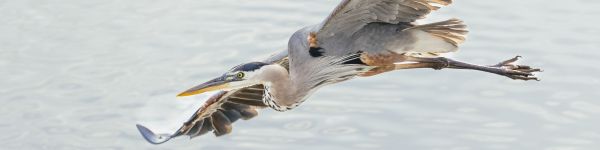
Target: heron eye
<point x="240" y="75"/>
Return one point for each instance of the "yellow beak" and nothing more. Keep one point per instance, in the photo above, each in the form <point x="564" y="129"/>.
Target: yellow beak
<point x="212" y="85"/>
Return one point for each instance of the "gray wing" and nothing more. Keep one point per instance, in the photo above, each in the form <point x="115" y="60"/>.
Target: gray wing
<point x="352" y="16"/>
<point x="220" y="111"/>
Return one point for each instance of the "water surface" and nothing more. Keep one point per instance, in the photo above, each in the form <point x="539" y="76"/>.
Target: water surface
<point x="81" y="74"/>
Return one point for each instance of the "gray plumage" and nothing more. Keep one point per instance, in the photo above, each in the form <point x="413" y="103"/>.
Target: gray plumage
<point x="364" y="26"/>
<point x="360" y="38"/>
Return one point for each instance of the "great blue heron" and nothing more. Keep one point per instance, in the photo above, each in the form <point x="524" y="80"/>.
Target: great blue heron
<point x="360" y="38"/>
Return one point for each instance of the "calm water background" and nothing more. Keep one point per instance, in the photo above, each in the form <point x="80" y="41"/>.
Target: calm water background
<point x="80" y="74"/>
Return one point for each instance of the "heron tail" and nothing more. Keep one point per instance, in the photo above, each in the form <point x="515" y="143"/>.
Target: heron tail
<point x="439" y="37"/>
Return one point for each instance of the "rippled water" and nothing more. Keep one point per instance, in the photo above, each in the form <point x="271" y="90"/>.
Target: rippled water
<point x="81" y="74"/>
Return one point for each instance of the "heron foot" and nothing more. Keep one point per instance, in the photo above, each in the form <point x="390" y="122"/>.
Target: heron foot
<point x="516" y="72"/>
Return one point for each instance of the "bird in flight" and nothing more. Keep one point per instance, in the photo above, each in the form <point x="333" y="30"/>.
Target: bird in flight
<point x="360" y="38"/>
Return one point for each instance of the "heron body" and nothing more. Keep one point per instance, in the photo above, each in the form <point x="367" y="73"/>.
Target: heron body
<point x="320" y="54"/>
<point x="360" y="38"/>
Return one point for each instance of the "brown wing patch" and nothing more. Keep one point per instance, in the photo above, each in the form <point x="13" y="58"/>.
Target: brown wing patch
<point x="312" y="40"/>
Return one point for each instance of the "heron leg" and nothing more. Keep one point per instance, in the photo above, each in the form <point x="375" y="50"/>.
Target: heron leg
<point x="378" y="70"/>
<point x="383" y="62"/>
<point x="505" y="68"/>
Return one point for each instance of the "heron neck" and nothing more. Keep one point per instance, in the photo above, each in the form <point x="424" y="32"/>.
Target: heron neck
<point x="282" y="89"/>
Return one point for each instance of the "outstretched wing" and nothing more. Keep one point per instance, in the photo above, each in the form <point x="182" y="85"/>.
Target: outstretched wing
<point x="216" y="115"/>
<point x="220" y="111"/>
<point x="351" y="15"/>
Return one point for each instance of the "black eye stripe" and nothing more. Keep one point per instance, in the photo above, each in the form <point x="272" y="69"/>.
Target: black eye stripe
<point x="248" y="66"/>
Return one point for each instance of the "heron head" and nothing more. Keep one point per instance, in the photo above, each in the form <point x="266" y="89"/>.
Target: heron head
<point x="241" y="76"/>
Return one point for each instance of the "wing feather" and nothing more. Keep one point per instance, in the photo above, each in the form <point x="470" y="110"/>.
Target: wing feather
<point x="221" y="110"/>
<point x="351" y="15"/>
